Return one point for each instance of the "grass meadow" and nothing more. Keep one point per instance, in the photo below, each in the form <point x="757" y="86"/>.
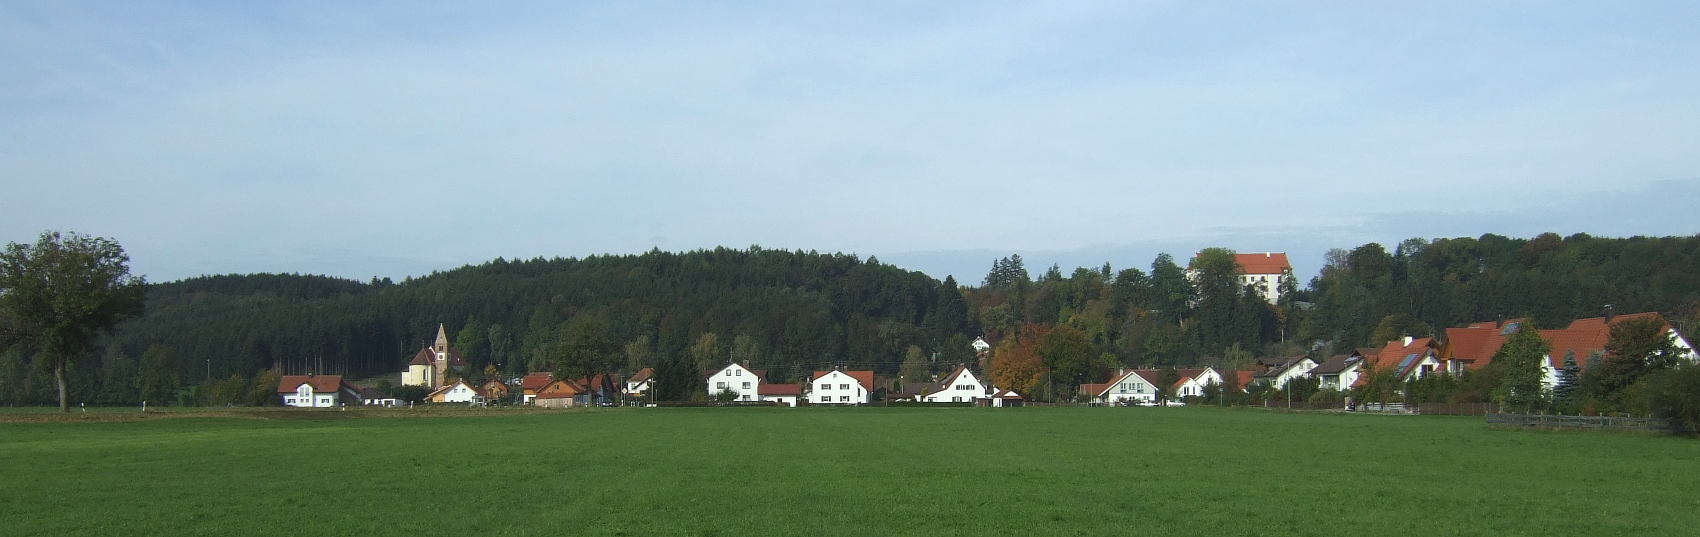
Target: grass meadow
<point x="818" y="471"/>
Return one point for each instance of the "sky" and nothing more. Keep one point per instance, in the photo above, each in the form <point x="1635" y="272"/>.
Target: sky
<point x="397" y="139"/>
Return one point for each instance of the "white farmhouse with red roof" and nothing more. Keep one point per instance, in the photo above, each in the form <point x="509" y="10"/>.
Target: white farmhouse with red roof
<point x="841" y="387"/>
<point x="1126" y="386"/>
<point x="1586" y="338"/>
<point x="316" y="391"/>
<point x="739" y="380"/>
<point x="639" y="384"/>
<point x="458" y="392"/>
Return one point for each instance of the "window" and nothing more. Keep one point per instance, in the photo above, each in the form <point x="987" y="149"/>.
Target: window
<point x="746" y="385"/>
<point x="956" y="399"/>
<point x="826" y="399"/>
<point x="826" y="386"/>
<point x="746" y="398"/>
<point x="843" y="398"/>
<point x="843" y="386"/>
<point x="719" y="385"/>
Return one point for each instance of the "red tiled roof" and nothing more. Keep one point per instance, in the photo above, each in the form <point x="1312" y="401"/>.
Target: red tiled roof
<point x="1477" y="343"/>
<point x="1178" y="384"/>
<point x="536" y="381"/>
<point x="1599" y="323"/>
<point x="864" y="377"/>
<point x="494" y="386"/>
<point x="1395" y="352"/>
<point x="642" y="375"/>
<point x="1242" y="378"/>
<point x="1584" y="337"/>
<point x="559" y="389"/>
<point x="424" y="357"/>
<point x="779" y="389"/>
<point x="320" y="383"/>
<point x="1263" y="263"/>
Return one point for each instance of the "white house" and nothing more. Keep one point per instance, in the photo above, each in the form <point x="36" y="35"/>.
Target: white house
<point x="980" y="345"/>
<point x="1283" y="370"/>
<point x="316" y="391"/>
<point x="1264" y="271"/>
<point x="1587" y="338"/>
<point x="960" y="386"/>
<point x="371" y="397"/>
<point x="1187" y="387"/>
<point x="639" y="384"/>
<point x="1338" y="373"/>
<point x="1125" y="386"/>
<point x="459" y="392"/>
<point x="1006" y="398"/>
<point x="838" y="387"/>
<point x="740" y="380"/>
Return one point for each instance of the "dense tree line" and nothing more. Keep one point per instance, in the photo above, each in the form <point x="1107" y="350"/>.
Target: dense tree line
<point x="792" y="312"/>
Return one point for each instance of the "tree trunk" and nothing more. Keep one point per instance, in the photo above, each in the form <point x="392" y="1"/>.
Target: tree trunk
<point x="59" y="376"/>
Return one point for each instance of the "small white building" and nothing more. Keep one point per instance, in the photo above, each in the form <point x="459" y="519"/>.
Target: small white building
<point x="639" y="384"/>
<point x="459" y="392"/>
<point x="980" y="345"/>
<point x="1338" y="373"/>
<point x="960" y="386"/>
<point x="838" y="387"/>
<point x="785" y="394"/>
<point x="1284" y="370"/>
<point x="316" y="391"/>
<point x="739" y="380"/>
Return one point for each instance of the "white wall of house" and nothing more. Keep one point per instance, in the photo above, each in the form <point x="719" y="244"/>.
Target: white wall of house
<point x="1268" y="285"/>
<point x="461" y="393"/>
<point x="964" y="388"/>
<point x="1296" y="371"/>
<point x="737" y="379"/>
<point x="1342" y="380"/>
<point x="1429" y="365"/>
<point x="1191" y="388"/>
<point x="837" y="388"/>
<point x="1130" y="388"/>
<point x="634" y="388"/>
<point x="305" y="397"/>
<point x="787" y="400"/>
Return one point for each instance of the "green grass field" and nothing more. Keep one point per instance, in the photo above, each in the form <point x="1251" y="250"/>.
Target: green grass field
<point x="761" y="471"/>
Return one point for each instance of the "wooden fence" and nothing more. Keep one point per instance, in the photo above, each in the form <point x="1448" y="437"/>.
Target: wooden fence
<point x="1577" y="422"/>
<point x="1457" y="409"/>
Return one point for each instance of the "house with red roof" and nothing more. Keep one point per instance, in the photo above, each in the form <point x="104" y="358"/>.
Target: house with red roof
<point x="561" y="393"/>
<point x="431" y="365"/>
<point x="457" y="392"/>
<point x="838" y="387"/>
<point x="1586" y="339"/>
<point x="1279" y="371"/>
<point x="1339" y="372"/>
<point x="1472" y="347"/>
<point x="1125" y="387"/>
<point x="316" y="391"/>
<point x="1408" y="357"/>
<point x="530" y="385"/>
<point x="495" y="390"/>
<point x="1265" y="271"/>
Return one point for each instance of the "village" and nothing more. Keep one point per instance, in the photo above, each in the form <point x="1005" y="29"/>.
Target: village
<point x="1460" y="351"/>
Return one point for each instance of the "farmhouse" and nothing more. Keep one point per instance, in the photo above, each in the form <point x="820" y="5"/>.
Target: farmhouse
<point x="1408" y="357"/>
<point x="743" y="382"/>
<point x="495" y="390"/>
<point x="530" y="385"/>
<point x="458" y="392"/>
<point x="1126" y="386"/>
<point x="560" y="393"/>
<point x="959" y="386"/>
<point x="431" y="365"/>
<point x="316" y="391"/>
<point x="841" y="387"/>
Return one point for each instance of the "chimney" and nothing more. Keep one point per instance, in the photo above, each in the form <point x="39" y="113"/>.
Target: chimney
<point x="1407" y="341"/>
<point x="1610" y="312"/>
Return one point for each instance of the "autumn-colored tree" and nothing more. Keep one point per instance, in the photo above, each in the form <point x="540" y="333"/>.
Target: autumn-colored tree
<point x="1016" y="366"/>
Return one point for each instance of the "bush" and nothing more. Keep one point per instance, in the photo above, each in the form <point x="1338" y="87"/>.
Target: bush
<point x="1674" y="396"/>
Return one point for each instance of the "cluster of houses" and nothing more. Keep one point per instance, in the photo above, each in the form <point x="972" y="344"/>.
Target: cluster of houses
<point x="1458" y="351"/>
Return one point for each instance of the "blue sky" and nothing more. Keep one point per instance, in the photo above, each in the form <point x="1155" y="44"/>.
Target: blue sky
<point x="397" y="139"/>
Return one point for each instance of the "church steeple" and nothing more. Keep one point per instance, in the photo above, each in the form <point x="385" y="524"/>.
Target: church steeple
<point x="442" y="344"/>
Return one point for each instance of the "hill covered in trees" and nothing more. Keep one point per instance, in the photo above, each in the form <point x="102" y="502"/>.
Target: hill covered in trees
<point x="793" y="312"/>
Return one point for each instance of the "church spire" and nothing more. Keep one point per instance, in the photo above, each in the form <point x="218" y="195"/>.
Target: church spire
<point x="442" y="345"/>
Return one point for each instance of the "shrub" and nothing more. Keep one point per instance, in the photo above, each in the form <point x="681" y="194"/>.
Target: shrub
<point x="1674" y="396"/>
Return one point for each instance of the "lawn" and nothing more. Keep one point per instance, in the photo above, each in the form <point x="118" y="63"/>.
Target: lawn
<point x="865" y="471"/>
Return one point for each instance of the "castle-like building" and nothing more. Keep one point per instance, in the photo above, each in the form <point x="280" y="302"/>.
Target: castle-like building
<point x="430" y="366"/>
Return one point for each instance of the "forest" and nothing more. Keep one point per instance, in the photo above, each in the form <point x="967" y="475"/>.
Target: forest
<point x="792" y="312"/>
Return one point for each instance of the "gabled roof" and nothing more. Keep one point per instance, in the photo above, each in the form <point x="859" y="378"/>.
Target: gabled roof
<point x="560" y="389"/>
<point x="1279" y="366"/>
<point x="949" y="380"/>
<point x="1182" y="382"/>
<point x="864" y="377"/>
<point x="475" y="390"/>
<point x="1477" y="343"/>
<point x="320" y="383"/>
<point x="1263" y="263"/>
<point x="759" y="373"/>
<point x="1243" y="378"/>
<point x="1404" y="357"/>
<point x="424" y="357"/>
<point x="1118" y="377"/>
<point x="642" y="375"/>
<point x="1335" y="365"/>
<point x="779" y="389"/>
<point x="536" y="381"/>
<point x="493" y="385"/>
<point x="1006" y="394"/>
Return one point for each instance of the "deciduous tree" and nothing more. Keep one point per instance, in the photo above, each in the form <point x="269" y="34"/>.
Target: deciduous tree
<point x="60" y="293"/>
